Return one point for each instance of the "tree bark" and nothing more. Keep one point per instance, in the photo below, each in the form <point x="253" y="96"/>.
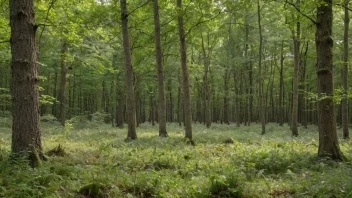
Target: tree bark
<point x="249" y="66"/>
<point x="328" y="142"/>
<point x="186" y="94"/>
<point x="120" y="98"/>
<point x="26" y="134"/>
<point x="63" y="79"/>
<point x="345" y="74"/>
<point x="260" y="81"/>
<point x="296" y="47"/>
<point x="160" y="73"/>
<point x="131" y="109"/>
<point x="207" y="109"/>
<point x="281" y="94"/>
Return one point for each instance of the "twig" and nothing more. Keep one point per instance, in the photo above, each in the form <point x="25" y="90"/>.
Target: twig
<point x="299" y="11"/>
<point x="46" y="19"/>
<point x="201" y="22"/>
<point x="138" y="7"/>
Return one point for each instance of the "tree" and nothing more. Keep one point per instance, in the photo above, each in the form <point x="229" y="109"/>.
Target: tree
<point x="160" y="73"/>
<point x="63" y="79"/>
<point x="131" y="109"/>
<point x="26" y="134"/>
<point x="296" y="34"/>
<point x="260" y="80"/>
<point x="186" y="94"/>
<point x="328" y="142"/>
<point x="345" y="73"/>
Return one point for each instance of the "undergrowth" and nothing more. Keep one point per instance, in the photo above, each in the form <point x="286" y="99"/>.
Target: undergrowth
<point x="91" y="159"/>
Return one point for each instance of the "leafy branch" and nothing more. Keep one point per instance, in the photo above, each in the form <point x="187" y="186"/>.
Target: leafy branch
<point x="201" y="22"/>
<point x="300" y="12"/>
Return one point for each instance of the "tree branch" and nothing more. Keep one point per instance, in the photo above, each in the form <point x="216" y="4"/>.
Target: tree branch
<point x="138" y="7"/>
<point x="6" y="41"/>
<point x="46" y="19"/>
<point x="299" y="11"/>
<point x="344" y="6"/>
<point x="201" y="22"/>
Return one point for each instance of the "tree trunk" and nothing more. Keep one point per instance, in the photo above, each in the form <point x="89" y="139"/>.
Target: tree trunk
<point x="170" y="105"/>
<point x="54" y="109"/>
<point x="237" y="98"/>
<point x="26" y="134"/>
<point x="120" y="99"/>
<point x="226" y="96"/>
<point x="281" y="94"/>
<point x="249" y="66"/>
<point x="296" y="47"/>
<point x="63" y="79"/>
<point x="328" y="142"/>
<point x="260" y="80"/>
<point x="131" y="109"/>
<point x="160" y="73"/>
<point x="302" y="87"/>
<point x="186" y="94"/>
<point x="345" y="74"/>
<point x="152" y="111"/>
<point x="207" y="108"/>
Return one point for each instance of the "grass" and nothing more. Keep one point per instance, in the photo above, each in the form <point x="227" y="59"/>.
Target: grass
<point x="227" y="161"/>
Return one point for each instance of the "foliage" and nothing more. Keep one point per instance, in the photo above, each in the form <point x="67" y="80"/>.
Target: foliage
<point x="100" y="162"/>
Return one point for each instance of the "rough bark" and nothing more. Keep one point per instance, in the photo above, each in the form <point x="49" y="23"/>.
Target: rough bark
<point x="26" y="134"/>
<point x="328" y="142"/>
<point x="130" y="103"/>
<point x="160" y="73"/>
<point x="186" y="92"/>
<point x="345" y="74"/>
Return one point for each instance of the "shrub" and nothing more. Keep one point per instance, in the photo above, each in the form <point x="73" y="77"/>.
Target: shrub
<point x="228" y="187"/>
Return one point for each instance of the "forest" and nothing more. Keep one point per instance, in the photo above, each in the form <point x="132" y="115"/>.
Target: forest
<point x="175" y="98"/>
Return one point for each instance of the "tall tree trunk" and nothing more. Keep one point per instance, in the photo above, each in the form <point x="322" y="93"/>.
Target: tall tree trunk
<point x="63" y="79"/>
<point x="170" y="105"/>
<point x="226" y="96"/>
<point x="345" y="74"/>
<point x="302" y="87"/>
<point x="281" y="94"/>
<point x="186" y="94"/>
<point x="260" y="80"/>
<point x="296" y="47"/>
<point x="74" y="94"/>
<point x="207" y="109"/>
<point x="120" y="98"/>
<point x="237" y="99"/>
<point x="26" y="134"/>
<point x="160" y="73"/>
<point x="328" y="142"/>
<point x="54" y="109"/>
<point x="131" y="109"/>
<point x="249" y="66"/>
<point x="152" y="111"/>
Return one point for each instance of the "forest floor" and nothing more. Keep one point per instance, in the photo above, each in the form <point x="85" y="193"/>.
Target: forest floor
<point x="227" y="161"/>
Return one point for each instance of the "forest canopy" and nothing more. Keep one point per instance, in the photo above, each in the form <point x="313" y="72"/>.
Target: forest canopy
<point x="233" y="68"/>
